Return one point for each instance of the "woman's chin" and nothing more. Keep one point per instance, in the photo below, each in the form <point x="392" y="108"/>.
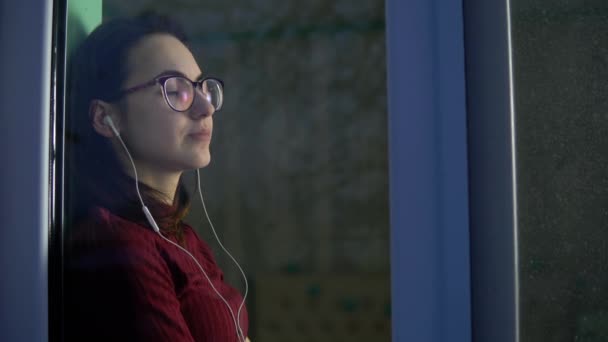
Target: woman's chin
<point x="203" y="160"/>
<point x="195" y="161"/>
<point x="204" y="164"/>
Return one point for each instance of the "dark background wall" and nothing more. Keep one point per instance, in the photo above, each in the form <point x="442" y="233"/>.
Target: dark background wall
<point x="560" y="53"/>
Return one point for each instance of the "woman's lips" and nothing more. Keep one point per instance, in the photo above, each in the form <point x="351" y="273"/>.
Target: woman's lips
<point x="204" y="135"/>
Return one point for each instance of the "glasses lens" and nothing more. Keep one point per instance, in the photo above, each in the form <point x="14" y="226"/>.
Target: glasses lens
<point x="179" y="93"/>
<point x="214" y="91"/>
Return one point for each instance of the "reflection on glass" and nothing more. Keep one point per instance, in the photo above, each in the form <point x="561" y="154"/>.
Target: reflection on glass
<point x="561" y="77"/>
<point x="297" y="185"/>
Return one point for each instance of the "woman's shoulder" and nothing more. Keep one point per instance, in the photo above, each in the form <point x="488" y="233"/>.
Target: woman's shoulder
<point x="103" y="227"/>
<point x="106" y="241"/>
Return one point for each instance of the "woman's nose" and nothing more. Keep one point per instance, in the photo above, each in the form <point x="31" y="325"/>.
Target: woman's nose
<point x="201" y="105"/>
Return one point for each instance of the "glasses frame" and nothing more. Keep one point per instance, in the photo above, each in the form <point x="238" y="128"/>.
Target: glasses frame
<point x="162" y="80"/>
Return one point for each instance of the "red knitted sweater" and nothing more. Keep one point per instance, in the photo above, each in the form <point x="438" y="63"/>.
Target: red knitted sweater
<point x="123" y="282"/>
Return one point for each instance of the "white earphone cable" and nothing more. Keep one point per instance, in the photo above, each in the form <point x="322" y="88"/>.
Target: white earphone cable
<point x="237" y="325"/>
<point x="200" y="192"/>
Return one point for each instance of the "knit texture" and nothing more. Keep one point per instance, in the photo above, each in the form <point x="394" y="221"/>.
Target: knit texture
<point x="123" y="282"/>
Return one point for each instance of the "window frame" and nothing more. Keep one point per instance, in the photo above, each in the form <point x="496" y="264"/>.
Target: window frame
<point x="429" y="171"/>
<point x="25" y="179"/>
<point x="451" y="167"/>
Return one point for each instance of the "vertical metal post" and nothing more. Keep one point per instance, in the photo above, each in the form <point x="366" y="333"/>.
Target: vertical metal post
<point x="428" y="171"/>
<point x="492" y="171"/>
<point x="72" y="21"/>
<point x="25" y="63"/>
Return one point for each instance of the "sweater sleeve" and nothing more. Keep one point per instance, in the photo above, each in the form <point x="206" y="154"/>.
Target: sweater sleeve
<point x="121" y="289"/>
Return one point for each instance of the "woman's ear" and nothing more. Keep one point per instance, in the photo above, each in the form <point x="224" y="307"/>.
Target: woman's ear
<point x="98" y="111"/>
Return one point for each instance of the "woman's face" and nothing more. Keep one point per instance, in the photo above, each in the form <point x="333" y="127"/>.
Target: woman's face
<point x="159" y="138"/>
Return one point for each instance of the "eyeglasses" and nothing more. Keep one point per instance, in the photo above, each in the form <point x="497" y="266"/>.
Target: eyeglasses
<point x="179" y="91"/>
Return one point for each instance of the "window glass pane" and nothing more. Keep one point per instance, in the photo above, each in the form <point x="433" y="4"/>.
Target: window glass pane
<point x="297" y="184"/>
<point x="560" y="50"/>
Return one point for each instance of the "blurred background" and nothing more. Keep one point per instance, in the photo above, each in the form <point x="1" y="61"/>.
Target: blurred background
<point x="298" y="184"/>
<point x="560" y="52"/>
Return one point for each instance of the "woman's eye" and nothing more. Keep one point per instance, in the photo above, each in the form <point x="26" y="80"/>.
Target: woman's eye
<point x="180" y="96"/>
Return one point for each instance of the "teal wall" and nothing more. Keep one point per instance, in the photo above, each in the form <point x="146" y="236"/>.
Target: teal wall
<point x="83" y="17"/>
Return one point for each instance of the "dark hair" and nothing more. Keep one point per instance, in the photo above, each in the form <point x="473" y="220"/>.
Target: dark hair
<point x="98" y="69"/>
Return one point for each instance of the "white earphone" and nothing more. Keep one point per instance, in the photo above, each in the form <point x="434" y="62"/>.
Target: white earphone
<point x="108" y="120"/>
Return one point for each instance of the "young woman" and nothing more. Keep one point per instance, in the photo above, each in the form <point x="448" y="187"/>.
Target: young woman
<point x="140" y="113"/>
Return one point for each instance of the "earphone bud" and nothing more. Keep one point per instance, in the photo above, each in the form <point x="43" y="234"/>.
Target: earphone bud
<point x="108" y="121"/>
